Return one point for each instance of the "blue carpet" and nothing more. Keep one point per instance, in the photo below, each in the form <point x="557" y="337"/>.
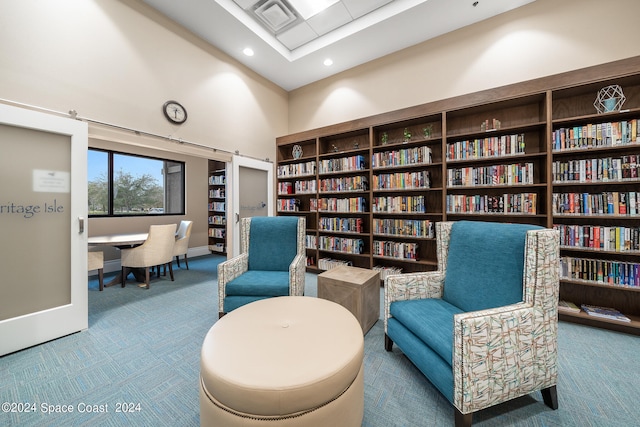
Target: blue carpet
<point x="142" y="353"/>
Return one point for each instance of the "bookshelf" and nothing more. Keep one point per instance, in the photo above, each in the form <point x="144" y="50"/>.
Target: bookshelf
<point x="217" y="216"/>
<point x="531" y="152"/>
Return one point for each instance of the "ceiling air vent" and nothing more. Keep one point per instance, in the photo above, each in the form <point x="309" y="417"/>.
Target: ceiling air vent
<point x="276" y="15"/>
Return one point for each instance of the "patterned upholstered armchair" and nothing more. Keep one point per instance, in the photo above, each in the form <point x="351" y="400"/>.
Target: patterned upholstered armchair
<point x="483" y="327"/>
<point x="271" y="263"/>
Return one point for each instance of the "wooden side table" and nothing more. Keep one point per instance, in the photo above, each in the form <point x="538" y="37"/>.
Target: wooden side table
<point x="356" y="289"/>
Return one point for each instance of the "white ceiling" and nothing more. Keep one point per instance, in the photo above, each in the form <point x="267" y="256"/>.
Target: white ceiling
<point x="290" y="51"/>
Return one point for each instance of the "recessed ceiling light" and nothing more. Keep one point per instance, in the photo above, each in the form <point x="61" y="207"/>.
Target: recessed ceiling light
<point x="248" y="51"/>
<point x="328" y="62"/>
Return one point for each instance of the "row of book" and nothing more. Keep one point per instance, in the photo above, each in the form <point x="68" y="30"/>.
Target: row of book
<point x="615" y="273"/>
<point x="288" y="205"/>
<point x="399" y="250"/>
<point x="297" y="187"/>
<point x="403" y="227"/>
<point x="217" y="220"/>
<point x="618" y="239"/>
<point x="607" y="134"/>
<point x="217" y="233"/>
<point x="402" y="180"/>
<point x="217" y="193"/>
<point x="311" y="241"/>
<point x="346" y="225"/>
<point x="386" y="271"/>
<point x="597" y="170"/>
<point x="495" y="146"/>
<point x="520" y="173"/>
<point x="297" y="169"/>
<point x="592" y="310"/>
<point x="341" y="244"/>
<point x="329" y="263"/>
<point x="342" y="164"/>
<point x="403" y="157"/>
<point x="606" y="203"/>
<point x="522" y="203"/>
<point x="349" y="204"/>
<point x="345" y="183"/>
<point x="399" y="204"/>
<point x="216" y="206"/>
<point x="217" y="180"/>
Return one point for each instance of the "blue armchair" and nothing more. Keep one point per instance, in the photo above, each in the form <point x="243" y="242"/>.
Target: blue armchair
<point x="483" y="327"/>
<point x="271" y="263"/>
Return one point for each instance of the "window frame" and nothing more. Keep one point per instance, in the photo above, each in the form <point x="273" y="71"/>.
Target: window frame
<point x="110" y="183"/>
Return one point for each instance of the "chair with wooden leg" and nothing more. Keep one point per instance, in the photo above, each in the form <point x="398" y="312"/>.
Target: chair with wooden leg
<point x="157" y="250"/>
<point x="95" y="261"/>
<point x="182" y="242"/>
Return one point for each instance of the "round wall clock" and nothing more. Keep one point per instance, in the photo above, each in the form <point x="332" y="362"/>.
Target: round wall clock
<point x="174" y="112"/>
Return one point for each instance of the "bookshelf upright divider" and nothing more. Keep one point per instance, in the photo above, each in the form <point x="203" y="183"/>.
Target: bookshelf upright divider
<point x="540" y="152"/>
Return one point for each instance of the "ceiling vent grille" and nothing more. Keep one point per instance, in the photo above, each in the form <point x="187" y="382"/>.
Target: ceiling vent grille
<point x="276" y="15"/>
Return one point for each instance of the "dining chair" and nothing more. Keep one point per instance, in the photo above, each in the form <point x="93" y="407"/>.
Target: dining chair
<point x="181" y="245"/>
<point x="95" y="261"/>
<point x="157" y="250"/>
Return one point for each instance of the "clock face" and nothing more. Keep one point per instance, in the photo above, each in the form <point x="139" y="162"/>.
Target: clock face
<point x="174" y="112"/>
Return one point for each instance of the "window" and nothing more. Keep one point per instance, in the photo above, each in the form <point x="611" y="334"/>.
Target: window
<point x="125" y="184"/>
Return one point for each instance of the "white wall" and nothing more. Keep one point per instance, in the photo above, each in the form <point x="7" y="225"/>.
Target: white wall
<point x="118" y="61"/>
<point x="542" y="38"/>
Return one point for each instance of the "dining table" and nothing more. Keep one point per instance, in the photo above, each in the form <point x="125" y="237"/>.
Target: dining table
<point x="121" y="241"/>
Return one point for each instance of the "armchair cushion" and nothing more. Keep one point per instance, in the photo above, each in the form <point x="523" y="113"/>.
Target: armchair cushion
<point x="260" y="283"/>
<point x="269" y="251"/>
<point x="431" y="320"/>
<point x="489" y="259"/>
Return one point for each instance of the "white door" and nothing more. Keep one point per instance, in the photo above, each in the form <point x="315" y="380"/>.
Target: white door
<point x="252" y="193"/>
<point x="43" y="206"/>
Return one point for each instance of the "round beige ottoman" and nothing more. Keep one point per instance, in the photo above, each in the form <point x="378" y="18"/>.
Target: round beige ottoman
<point x="283" y="361"/>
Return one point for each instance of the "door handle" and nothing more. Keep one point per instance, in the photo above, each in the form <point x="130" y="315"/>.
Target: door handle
<point x="80" y="225"/>
<point x="237" y="217"/>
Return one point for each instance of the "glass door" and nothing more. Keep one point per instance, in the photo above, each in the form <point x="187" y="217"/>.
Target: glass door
<point x="252" y="193"/>
<point x="43" y="203"/>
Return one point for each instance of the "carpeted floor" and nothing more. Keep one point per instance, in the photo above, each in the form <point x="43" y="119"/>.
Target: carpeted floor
<point x="139" y="363"/>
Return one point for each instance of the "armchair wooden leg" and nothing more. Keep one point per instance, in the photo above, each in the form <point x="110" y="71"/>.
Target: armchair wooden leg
<point x="463" y="420"/>
<point x="186" y="263"/>
<point x="178" y="260"/>
<point x="170" y="270"/>
<point x="388" y="343"/>
<point x="550" y="397"/>
<point x="101" y="278"/>
<point x="124" y="276"/>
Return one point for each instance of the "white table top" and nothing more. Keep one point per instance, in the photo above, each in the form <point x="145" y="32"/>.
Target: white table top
<point x="118" y="239"/>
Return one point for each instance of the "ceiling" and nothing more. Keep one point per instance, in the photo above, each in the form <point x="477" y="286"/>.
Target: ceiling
<point x="290" y="50"/>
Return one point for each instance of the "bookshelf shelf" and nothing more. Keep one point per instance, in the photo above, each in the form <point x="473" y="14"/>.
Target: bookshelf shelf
<point x="531" y="133"/>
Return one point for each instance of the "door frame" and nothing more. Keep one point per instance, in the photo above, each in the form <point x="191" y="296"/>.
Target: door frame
<point x="233" y="214"/>
<point x="35" y="328"/>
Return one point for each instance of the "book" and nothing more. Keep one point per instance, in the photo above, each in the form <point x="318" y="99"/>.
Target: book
<point x="568" y="307"/>
<point x="605" y="313"/>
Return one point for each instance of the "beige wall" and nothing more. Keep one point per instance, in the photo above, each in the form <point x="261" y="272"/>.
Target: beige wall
<point x="542" y="38"/>
<point x="118" y="61"/>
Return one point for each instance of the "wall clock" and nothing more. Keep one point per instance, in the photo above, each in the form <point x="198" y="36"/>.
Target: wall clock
<point x="174" y="112"/>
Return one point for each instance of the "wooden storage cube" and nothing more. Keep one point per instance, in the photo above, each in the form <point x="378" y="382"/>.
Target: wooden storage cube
<point x="356" y="289"/>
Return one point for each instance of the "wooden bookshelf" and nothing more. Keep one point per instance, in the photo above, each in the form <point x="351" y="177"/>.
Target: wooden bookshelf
<point x="217" y="212"/>
<point x="494" y="155"/>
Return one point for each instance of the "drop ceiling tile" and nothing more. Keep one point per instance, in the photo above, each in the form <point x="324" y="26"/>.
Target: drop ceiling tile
<point x="246" y="4"/>
<point x="297" y="36"/>
<point x="358" y="8"/>
<point x="330" y="19"/>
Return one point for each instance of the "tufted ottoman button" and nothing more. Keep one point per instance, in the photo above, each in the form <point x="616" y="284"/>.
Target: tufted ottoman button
<point x="284" y="361"/>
